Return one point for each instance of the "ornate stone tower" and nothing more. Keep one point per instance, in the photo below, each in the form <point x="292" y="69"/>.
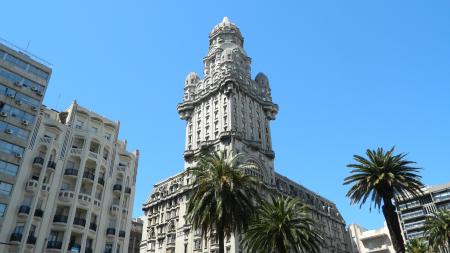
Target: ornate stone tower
<point x="227" y="110"/>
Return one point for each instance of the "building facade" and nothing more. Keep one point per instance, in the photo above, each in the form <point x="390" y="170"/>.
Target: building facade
<point x="370" y="241"/>
<point x="74" y="191"/>
<point x="135" y="235"/>
<point x="227" y="111"/>
<point x="412" y="212"/>
<point x="23" y="82"/>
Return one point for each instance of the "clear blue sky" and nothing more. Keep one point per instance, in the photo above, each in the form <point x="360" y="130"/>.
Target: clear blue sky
<point x="347" y="75"/>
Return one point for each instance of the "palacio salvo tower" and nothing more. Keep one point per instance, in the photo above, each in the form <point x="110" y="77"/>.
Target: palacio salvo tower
<point x="227" y="111"/>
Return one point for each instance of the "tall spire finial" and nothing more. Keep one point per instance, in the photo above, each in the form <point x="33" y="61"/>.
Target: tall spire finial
<point x="225" y="20"/>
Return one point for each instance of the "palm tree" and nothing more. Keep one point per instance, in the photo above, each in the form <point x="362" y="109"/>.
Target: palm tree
<point x="437" y="229"/>
<point x="418" y="245"/>
<point x="280" y="226"/>
<point x="382" y="176"/>
<point x="223" y="196"/>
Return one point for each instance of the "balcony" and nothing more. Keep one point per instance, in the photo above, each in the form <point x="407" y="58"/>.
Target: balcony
<point x="24" y="210"/>
<point x="46" y="139"/>
<point x="122" y="233"/>
<point x="93" y="155"/>
<point x="45" y="189"/>
<point x="74" y="247"/>
<point x="71" y="172"/>
<point x="89" y="175"/>
<point x="117" y="188"/>
<point x="76" y="151"/>
<point x="114" y="210"/>
<point x="51" y="164"/>
<point x="79" y="221"/>
<point x="60" y="219"/>
<point x="127" y="190"/>
<point x="88" y="250"/>
<point x="101" y="181"/>
<point x="31" y="240"/>
<point x="16" y="237"/>
<point x="93" y="226"/>
<point x="97" y="204"/>
<point x="111" y="232"/>
<point x="38" y="213"/>
<point x="54" y="244"/>
<point x="121" y="168"/>
<point x="38" y="162"/>
<point x="66" y="196"/>
<point x="32" y="185"/>
<point x="84" y="199"/>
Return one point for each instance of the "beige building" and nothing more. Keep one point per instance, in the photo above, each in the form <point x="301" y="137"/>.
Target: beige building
<point x="74" y="191"/>
<point x="23" y="82"/>
<point x="135" y="235"/>
<point x="370" y="241"/>
<point x="227" y="111"/>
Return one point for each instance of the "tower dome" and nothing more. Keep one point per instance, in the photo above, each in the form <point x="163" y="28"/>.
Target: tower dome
<point x="226" y="31"/>
<point x="191" y="79"/>
<point x="262" y="80"/>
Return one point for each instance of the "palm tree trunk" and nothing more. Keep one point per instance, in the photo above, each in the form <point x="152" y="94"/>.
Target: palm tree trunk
<point x="393" y="225"/>
<point x="221" y="236"/>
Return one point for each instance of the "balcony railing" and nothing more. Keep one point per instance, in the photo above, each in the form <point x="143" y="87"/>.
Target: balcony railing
<point x="93" y="226"/>
<point x="24" y="209"/>
<point x="117" y="187"/>
<point x="54" y="244"/>
<point x="39" y="161"/>
<point x="38" y="213"/>
<point x="31" y="239"/>
<point x="89" y="175"/>
<point x="60" y="218"/>
<point x="79" y="221"/>
<point x="71" y="172"/>
<point x="16" y="237"/>
<point x="111" y="231"/>
<point x="51" y="164"/>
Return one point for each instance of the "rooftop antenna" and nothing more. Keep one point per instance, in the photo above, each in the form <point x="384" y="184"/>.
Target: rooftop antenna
<point x="28" y="44"/>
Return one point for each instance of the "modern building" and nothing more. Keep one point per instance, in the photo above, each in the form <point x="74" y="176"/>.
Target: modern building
<point x="370" y="241"/>
<point x="227" y="111"/>
<point x="23" y="82"/>
<point x="74" y="190"/>
<point x="135" y="235"/>
<point x="413" y="211"/>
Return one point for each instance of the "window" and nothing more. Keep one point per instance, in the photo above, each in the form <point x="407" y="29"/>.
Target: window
<point x="2" y="209"/>
<point x="8" y="168"/>
<point x="19" y="228"/>
<point x="5" y="188"/>
<point x="94" y="129"/>
<point x="79" y="124"/>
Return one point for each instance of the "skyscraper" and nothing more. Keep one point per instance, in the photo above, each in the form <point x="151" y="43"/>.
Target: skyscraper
<point x="227" y="111"/>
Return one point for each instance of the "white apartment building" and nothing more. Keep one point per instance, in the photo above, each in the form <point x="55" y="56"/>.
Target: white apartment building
<point x="370" y="241"/>
<point x="75" y="188"/>
<point x="228" y="111"/>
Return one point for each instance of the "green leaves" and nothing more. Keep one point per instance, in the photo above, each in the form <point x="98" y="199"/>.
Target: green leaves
<point x="382" y="175"/>
<point x="437" y="230"/>
<point x="223" y="195"/>
<point x="418" y="245"/>
<point x="282" y="225"/>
